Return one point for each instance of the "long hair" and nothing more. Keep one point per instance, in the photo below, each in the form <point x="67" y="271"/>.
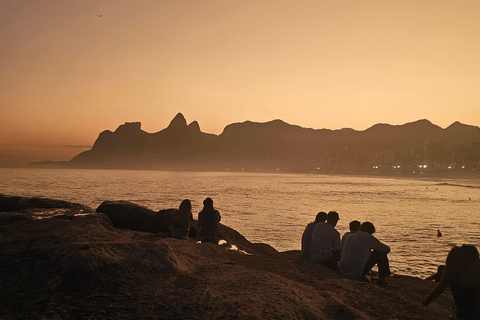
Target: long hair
<point x="185" y="206"/>
<point x="459" y="259"/>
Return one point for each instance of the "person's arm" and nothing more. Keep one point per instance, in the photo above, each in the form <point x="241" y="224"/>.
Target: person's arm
<point x="200" y="219"/>
<point x="337" y="246"/>
<point x="432" y="277"/>
<point x="436" y="292"/>
<point x="377" y="245"/>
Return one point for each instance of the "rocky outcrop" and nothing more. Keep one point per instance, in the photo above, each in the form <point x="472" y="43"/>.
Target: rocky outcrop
<point x="128" y="215"/>
<point x="15" y="203"/>
<point x="86" y="268"/>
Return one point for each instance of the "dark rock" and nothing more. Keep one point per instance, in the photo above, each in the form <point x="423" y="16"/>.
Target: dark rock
<point x="16" y="203"/>
<point x="128" y="215"/>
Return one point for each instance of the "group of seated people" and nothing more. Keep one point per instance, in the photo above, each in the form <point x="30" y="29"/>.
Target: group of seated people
<point x="358" y="251"/>
<point x="208" y="219"/>
<point x="354" y="255"/>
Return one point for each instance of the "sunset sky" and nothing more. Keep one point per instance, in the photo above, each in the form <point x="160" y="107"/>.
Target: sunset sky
<point x="67" y="74"/>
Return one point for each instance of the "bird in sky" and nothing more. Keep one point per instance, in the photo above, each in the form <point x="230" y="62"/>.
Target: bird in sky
<point x="99" y="15"/>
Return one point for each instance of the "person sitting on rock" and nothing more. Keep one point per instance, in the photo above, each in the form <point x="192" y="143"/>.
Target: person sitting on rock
<point x="208" y="220"/>
<point x="462" y="275"/>
<point x="325" y="247"/>
<point x="182" y="219"/>
<point x="308" y="232"/>
<point x="354" y="227"/>
<point x="362" y="251"/>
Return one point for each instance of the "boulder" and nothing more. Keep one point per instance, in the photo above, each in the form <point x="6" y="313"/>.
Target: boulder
<point x="16" y="203"/>
<point x="128" y="215"/>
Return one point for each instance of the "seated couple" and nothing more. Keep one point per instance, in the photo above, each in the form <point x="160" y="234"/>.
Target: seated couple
<point x="361" y="250"/>
<point x="208" y="220"/>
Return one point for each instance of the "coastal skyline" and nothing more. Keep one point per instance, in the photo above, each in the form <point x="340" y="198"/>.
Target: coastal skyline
<point x="73" y="69"/>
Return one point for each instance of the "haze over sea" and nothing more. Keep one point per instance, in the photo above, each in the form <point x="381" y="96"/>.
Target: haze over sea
<point x="274" y="208"/>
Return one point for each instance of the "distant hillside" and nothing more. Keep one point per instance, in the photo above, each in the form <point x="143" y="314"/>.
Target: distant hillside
<point x="276" y="145"/>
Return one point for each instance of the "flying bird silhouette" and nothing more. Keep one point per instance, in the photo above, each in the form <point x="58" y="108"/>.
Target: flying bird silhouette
<point x="99" y="15"/>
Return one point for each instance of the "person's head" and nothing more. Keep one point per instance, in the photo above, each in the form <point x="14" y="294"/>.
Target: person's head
<point x="332" y="218"/>
<point x="185" y="206"/>
<point x="461" y="258"/>
<point x="354" y="225"/>
<point x="208" y="204"/>
<point x="368" y="227"/>
<point x="321" y="217"/>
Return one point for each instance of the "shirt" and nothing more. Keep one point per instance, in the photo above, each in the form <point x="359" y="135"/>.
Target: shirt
<point x="325" y="239"/>
<point x="356" y="253"/>
<point x="345" y="236"/>
<point x="307" y="239"/>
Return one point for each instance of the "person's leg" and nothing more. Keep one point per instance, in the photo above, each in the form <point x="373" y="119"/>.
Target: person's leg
<point x="334" y="259"/>
<point x="381" y="260"/>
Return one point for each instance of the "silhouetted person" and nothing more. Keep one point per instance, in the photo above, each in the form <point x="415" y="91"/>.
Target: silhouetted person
<point x="354" y="227"/>
<point x="439" y="234"/>
<point x="325" y="247"/>
<point x="438" y="275"/>
<point x="462" y="275"/>
<point x="182" y="219"/>
<point x="208" y="220"/>
<point x="308" y="232"/>
<point x="362" y="251"/>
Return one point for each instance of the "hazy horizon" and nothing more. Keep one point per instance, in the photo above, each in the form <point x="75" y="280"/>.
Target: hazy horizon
<point x="73" y="69"/>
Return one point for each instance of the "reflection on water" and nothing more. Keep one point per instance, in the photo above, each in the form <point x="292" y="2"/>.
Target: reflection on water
<point x="274" y="208"/>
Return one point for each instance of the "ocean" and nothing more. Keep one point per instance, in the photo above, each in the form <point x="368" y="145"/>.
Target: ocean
<point x="275" y="208"/>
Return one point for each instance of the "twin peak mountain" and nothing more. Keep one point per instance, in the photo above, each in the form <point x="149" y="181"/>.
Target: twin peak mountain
<point x="269" y="146"/>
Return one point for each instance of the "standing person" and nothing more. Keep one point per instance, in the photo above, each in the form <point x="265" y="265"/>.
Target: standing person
<point x="362" y="251"/>
<point x="354" y="227"/>
<point x="462" y="275"/>
<point x="308" y="232"/>
<point x="325" y="247"/>
<point x="182" y="219"/>
<point x="208" y="220"/>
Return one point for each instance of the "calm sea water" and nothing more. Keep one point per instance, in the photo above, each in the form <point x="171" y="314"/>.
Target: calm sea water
<point x="274" y="208"/>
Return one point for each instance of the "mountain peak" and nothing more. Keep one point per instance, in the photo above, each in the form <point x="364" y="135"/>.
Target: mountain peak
<point x="129" y="127"/>
<point x="194" y="127"/>
<point x="178" y="122"/>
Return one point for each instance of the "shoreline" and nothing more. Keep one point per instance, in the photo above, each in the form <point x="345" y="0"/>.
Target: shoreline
<point x="421" y="176"/>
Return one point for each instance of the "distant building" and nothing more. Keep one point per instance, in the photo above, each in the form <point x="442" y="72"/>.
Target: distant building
<point x="433" y="155"/>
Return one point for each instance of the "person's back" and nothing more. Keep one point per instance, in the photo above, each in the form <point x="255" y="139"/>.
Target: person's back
<point x="357" y="252"/>
<point x="208" y="220"/>
<point x="308" y="233"/>
<point x="325" y="246"/>
<point x="181" y="220"/>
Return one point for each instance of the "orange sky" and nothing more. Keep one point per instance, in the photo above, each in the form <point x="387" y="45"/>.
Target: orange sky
<point x="66" y="74"/>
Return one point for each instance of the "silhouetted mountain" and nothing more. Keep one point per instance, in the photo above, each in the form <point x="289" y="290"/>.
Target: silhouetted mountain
<point x="277" y="144"/>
